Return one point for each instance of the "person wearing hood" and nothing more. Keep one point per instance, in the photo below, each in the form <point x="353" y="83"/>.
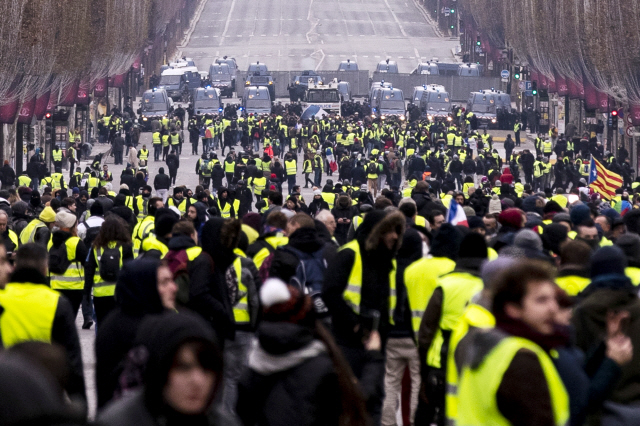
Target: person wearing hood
<point x="144" y="287"/>
<point x="197" y="214"/>
<point x="317" y="204"/>
<point x="35" y="203"/>
<point x="32" y="311"/>
<point x="553" y="238"/>
<point x="296" y="373"/>
<point x="228" y="207"/>
<point x="445" y="308"/>
<point x="127" y="177"/>
<point x="343" y="213"/>
<point x="162" y="183"/>
<point x="19" y="219"/>
<point x="360" y="281"/>
<point x="217" y="173"/>
<point x="244" y="195"/>
<point x="182" y="376"/>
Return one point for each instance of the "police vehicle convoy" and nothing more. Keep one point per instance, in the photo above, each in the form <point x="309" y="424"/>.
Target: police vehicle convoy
<point x="300" y="84"/>
<point x="154" y="105"/>
<point x="435" y="103"/>
<point x="389" y="102"/>
<point x="233" y="68"/>
<point x="221" y="78"/>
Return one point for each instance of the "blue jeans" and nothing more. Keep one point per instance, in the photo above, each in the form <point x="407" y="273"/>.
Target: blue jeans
<point x="236" y="358"/>
<point x="318" y="177"/>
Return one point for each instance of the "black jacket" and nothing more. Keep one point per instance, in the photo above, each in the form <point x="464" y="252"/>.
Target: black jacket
<point x="216" y="176"/>
<point x="161" y="181"/>
<point x="173" y="162"/>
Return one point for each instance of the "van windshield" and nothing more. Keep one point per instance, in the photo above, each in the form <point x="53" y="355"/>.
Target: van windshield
<point x="323" y="96"/>
<point x="483" y="108"/>
<point x="170" y="80"/>
<point x="392" y="104"/>
<point x="153" y="103"/>
<point x="207" y="103"/>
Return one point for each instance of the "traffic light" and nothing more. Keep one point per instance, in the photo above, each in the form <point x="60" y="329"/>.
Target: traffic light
<point x="452" y="10"/>
<point x="534" y="88"/>
<point x="516" y="73"/>
<point x="48" y="126"/>
<point x="478" y="43"/>
<point x="614" y="118"/>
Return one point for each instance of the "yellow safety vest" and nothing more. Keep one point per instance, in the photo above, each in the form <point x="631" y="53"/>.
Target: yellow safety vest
<point x="144" y="154"/>
<point x="241" y="309"/>
<point x="474" y="316"/>
<point x="93" y="182"/>
<point x="632" y="272"/>
<point x="307" y="166"/>
<point x="290" y="167"/>
<point x="547" y="147"/>
<point x="353" y="293"/>
<point x="226" y="212"/>
<point x="24" y="180"/>
<point x="46" y="181"/>
<point x="330" y="198"/>
<point x="165" y="140"/>
<point x="573" y="284"/>
<point x="102" y="288"/>
<point x="156" y="138"/>
<point x="259" y="184"/>
<point x="153" y="243"/>
<point x="142" y="204"/>
<point x="182" y="206"/>
<point x="477" y="393"/>
<point x="57" y="180"/>
<point x="175" y="139"/>
<point x="229" y="167"/>
<point x="29" y="311"/>
<point x="72" y="279"/>
<point x="457" y="290"/>
<point x="421" y="221"/>
<point x="28" y="233"/>
<point x="420" y="279"/>
<point x="141" y="231"/>
<point x="56" y="154"/>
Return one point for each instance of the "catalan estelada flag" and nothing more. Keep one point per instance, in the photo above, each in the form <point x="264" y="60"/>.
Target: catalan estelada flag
<point x="603" y="181"/>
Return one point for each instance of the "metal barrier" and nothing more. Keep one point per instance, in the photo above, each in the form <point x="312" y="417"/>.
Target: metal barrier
<point x="457" y="86"/>
<point x="358" y="81"/>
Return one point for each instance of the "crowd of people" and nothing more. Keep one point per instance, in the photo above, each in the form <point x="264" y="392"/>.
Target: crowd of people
<point x="423" y="283"/>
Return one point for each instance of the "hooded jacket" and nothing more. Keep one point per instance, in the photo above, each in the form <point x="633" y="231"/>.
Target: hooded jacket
<point x="343" y="210"/>
<point x="162" y="336"/>
<point x="136" y="296"/>
<point x="291" y="379"/>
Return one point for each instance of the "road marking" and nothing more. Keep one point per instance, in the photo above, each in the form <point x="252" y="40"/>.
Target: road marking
<point x="377" y="56"/>
<point x="415" y="50"/>
<point x="263" y="35"/>
<point x="365" y="56"/>
<point x="400" y="57"/>
<point x="239" y="35"/>
<point x="395" y="18"/>
<point x="226" y="25"/>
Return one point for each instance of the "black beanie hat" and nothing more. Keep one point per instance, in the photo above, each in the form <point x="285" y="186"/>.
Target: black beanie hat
<point x="630" y="245"/>
<point x="473" y="246"/>
<point x="608" y="260"/>
<point x="164" y="221"/>
<point x="446" y="242"/>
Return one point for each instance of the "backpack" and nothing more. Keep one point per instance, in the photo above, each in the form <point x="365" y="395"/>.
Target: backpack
<point x="178" y="262"/>
<point x="204" y="166"/>
<point x="91" y="235"/>
<point x="58" y="260"/>
<point x="109" y="262"/>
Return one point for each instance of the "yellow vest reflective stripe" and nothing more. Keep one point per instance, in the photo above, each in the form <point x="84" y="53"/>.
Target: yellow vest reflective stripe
<point x="156" y="138"/>
<point x="477" y="400"/>
<point x="56" y="154"/>
<point x="24" y="181"/>
<point x="547" y="147"/>
<point x="457" y="290"/>
<point x="290" y="167"/>
<point x="241" y="309"/>
<point x="28" y="233"/>
<point x="29" y="311"/>
<point x="353" y="293"/>
<point x="474" y="316"/>
<point x="72" y="279"/>
<point x="144" y="154"/>
<point x="102" y="288"/>
<point x="175" y="139"/>
<point x="421" y="279"/>
<point x="330" y="198"/>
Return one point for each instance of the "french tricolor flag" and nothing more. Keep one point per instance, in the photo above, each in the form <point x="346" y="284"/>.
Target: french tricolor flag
<point x="455" y="214"/>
